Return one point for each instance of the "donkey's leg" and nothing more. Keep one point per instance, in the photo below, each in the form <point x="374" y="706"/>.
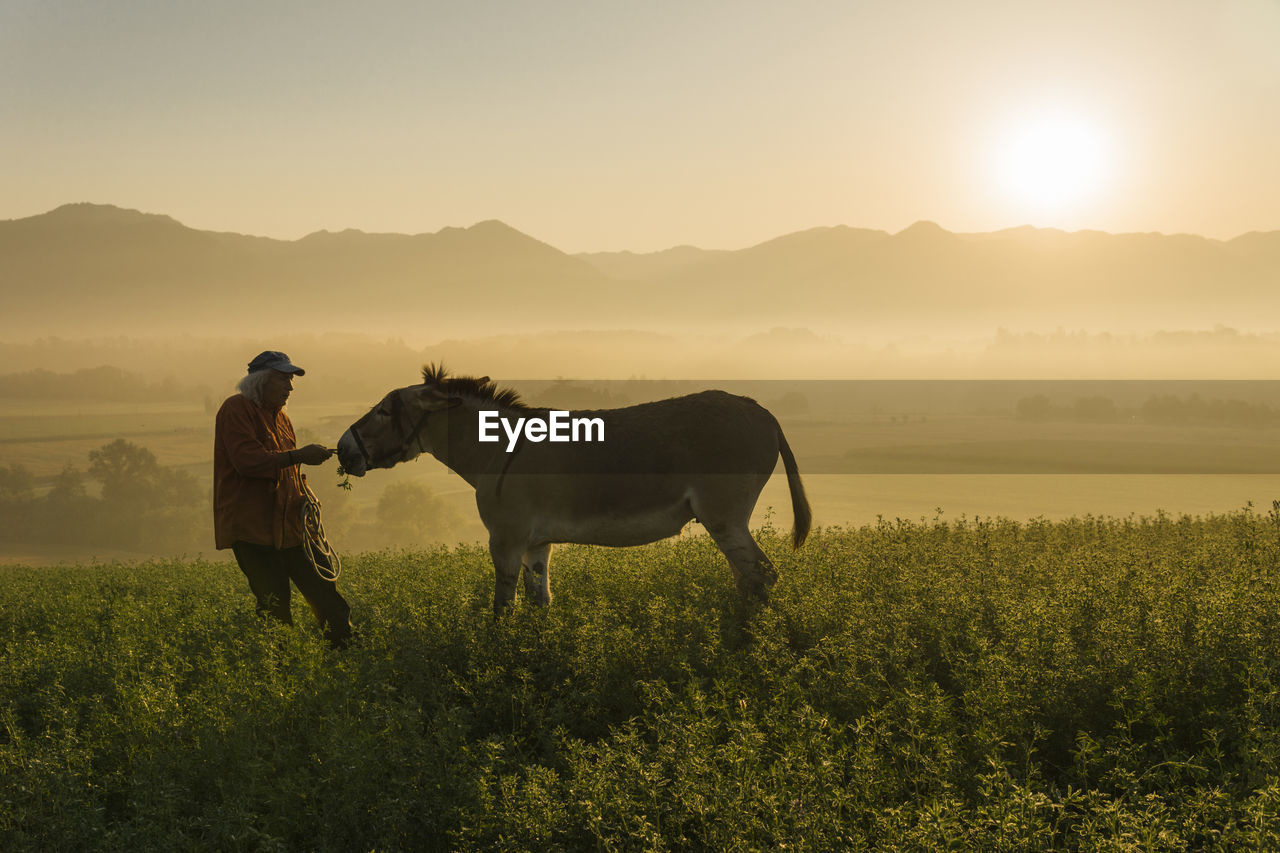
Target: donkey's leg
<point x="723" y="505"/>
<point x="506" y="566"/>
<point x="537" y="574"/>
<point x="752" y="568"/>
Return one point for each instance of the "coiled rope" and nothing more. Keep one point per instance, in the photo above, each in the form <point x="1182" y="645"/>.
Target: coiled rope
<point x="314" y="542"/>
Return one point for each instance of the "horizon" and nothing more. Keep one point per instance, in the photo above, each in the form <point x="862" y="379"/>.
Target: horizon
<point x="614" y="128"/>
<point x="683" y="245"/>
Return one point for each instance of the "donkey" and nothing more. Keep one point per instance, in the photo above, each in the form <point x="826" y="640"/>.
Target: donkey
<point x="657" y="466"/>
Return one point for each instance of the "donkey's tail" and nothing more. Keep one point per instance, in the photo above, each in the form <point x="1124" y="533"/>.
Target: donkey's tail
<point x="799" y="503"/>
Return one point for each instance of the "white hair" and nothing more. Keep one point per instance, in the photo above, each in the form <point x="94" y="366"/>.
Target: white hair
<point x="252" y="384"/>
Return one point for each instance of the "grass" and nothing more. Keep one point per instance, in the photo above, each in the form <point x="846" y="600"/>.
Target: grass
<point x="1090" y="684"/>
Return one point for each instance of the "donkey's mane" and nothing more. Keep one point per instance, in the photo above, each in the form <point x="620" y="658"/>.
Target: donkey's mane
<point x="437" y="376"/>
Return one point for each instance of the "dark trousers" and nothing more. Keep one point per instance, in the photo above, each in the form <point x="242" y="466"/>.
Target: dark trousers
<point x="269" y="571"/>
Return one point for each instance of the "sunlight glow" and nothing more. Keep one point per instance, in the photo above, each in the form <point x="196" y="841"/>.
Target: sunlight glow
<point x="1052" y="164"/>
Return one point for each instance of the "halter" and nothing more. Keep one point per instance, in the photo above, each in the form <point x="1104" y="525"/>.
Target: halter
<point x="414" y="437"/>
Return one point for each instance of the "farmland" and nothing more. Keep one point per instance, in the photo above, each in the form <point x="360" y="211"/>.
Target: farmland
<point x="902" y="454"/>
<point x="943" y="684"/>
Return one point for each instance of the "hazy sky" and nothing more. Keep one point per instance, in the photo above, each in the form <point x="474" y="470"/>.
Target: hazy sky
<point x="600" y="125"/>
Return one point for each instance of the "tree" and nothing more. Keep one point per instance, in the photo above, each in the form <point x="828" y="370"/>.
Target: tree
<point x="68" y="484"/>
<point x="125" y="471"/>
<point x="17" y="485"/>
<point x="131" y="476"/>
<point x="17" y="494"/>
<point x="69" y="514"/>
<point x="140" y="496"/>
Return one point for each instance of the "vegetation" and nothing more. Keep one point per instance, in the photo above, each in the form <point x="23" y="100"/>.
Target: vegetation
<point x="407" y="515"/>
<point x="95" y="384"/>
<point x="1091" y="684"/>
<point x="1170" y="409"/>
<point x="141" y="503"/>
<point x="1157" y="409"/>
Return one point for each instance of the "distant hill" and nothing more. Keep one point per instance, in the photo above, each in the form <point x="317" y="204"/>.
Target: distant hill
<point x="100" y="270"/>
<point x="631" y="266"/>
<point x="942" y="281"/>
<point x="96" y="268"/>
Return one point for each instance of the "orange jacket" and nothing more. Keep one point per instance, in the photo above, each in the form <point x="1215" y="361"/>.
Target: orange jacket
<point x="254" y="500"/>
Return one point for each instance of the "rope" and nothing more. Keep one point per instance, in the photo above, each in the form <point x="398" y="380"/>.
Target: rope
<point x="314" y="542"/>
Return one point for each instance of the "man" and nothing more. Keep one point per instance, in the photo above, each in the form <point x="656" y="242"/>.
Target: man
<point x="258" y="496"/>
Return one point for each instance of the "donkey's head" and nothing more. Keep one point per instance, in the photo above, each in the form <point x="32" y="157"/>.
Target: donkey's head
<point x="401" y="426"/>
<point x="393" y="431"/>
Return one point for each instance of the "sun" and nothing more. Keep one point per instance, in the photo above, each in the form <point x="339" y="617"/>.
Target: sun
<point x="1050" y="166"/>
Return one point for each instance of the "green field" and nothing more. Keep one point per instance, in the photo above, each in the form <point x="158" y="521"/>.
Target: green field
<point x="1088" y="684"/>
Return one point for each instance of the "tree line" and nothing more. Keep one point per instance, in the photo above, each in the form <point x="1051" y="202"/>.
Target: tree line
<point x="139" y="505"/>
<point x="1159" y="409"/>
<point x="124" y="499"/>
<point x="105" y="383"/>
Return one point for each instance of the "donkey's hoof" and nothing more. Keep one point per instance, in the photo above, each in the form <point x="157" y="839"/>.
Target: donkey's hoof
<point x="755" y="591"/>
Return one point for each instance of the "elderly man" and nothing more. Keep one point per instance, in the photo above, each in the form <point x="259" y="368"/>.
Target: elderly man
<point x="258" y="496"/>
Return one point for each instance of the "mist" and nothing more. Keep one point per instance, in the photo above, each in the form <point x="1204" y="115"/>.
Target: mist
<point x="877" y="352"/>
<point x="90" y="271"/>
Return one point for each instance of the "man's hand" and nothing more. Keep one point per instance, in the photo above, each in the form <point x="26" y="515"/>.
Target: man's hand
<point x="312" y="454"/>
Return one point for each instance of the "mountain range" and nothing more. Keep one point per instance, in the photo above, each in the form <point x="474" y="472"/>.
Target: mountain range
<point x="87" y="269"/>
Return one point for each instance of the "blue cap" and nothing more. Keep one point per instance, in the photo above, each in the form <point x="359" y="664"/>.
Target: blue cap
<point x="273" y="360"/>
